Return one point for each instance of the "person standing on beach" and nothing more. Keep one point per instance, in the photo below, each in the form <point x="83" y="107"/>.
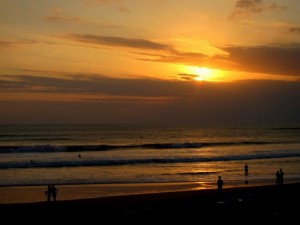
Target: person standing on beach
<point x="54" y="191"/>
<point x="220" y="186"/>
<point x="48" y="193"/>
<point x="281" y="176"/>
<point x="246" y="169"/>
<point x="277" y="177"/>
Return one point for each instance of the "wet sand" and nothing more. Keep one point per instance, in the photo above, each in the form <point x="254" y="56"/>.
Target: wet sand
<point x="27" y="194"/>
<point x="255" y="204"/>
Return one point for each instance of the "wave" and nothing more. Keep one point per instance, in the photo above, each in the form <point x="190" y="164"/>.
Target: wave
<point x="196" y="173"/>
<point x="77" y="148"/>
<point x="117" y="162"/>
<point x="286" y="128"/>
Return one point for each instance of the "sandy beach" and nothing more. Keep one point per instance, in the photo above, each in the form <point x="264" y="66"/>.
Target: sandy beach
<point x="28" y="194"/>
<point x="270" y="203"/>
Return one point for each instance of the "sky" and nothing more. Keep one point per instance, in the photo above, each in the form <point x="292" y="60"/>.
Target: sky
<point x="150" y="61"/>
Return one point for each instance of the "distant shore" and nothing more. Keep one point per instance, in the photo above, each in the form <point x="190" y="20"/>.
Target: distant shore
<point x="263" y="203"/>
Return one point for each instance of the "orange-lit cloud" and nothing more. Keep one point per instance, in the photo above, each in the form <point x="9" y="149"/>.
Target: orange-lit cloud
<point x="15" y="43"/>
<point x="269" y="59"/>
<point x="118" y="41"/>
<point x="58" y="15"/>
<point x="248" y="7"/>
<point x="282" y="60"/>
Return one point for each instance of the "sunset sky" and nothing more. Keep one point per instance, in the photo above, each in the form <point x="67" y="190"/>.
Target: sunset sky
<point x="150" y="61"/>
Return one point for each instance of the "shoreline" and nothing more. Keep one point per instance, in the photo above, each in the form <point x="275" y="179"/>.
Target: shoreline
<point x="35" y="193"/>
<point x="265" y="203"/>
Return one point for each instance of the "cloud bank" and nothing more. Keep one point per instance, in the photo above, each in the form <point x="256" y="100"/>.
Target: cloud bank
<point x="149" y="101"/>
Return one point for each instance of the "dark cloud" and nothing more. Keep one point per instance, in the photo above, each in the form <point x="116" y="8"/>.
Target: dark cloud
<point x="92" y="84"/>
<point x="187" y="77"/>
<point x="251" y="5"/>
<point x="282" y="60"/>
<point x="118" y="41"/>
<point x="173" y="56"/>
<point x="248" y="7"/>
<point x="295" y="30"/>
<point x="65" y="19"/>
<point x="193" y="102"/>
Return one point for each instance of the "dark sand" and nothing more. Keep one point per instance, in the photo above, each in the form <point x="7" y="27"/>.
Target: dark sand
<point x="257" y="204"/>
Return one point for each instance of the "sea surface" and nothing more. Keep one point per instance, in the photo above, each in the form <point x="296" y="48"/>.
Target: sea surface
<point x="125" y="154"/>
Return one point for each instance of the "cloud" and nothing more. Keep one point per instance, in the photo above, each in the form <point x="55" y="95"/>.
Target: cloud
<point x="249" y="7"/>
<point x="177" y="57"/>
<point x="65" y="19"/>
<point x="58" y="15"/>
<point x="279" y="60"/>
<point x="91" y="84"/>
<point x="187" y="77"/>
<point x="8" y="44"/>
<point x="120" y="7"/>
<point x="282" y="60"/>
<point x="295" y="30"/>
<point x="118" y="41"/>
<point x="112" y="100"/>
<point x="164" y="52"/>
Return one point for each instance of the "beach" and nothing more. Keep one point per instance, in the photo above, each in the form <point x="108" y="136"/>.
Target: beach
<point x="268" y="203"/>
<point x="148" y="174"/>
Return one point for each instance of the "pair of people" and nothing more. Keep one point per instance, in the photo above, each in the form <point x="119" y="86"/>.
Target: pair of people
<point x="51" y="191"/>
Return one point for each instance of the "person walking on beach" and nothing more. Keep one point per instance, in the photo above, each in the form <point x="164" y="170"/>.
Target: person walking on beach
<point x="246" y="169"/>
<point x="54" y="191"/>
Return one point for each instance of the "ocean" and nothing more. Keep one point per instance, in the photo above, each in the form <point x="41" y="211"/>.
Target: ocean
<point x="135" y="154"/>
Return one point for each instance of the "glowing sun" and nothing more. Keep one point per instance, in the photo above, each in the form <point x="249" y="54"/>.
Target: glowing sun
<point x="202" y="73"/>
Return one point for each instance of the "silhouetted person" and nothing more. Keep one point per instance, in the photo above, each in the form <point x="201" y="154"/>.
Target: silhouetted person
<point x="220" y="187"/>
<point x="54" y="191"/>
<point x="48" y="193"/>
<point x="277" y="177"/>
<point x="281" y="176"/>
<point x="79" y="156"/>
<point x="246" y="169"/>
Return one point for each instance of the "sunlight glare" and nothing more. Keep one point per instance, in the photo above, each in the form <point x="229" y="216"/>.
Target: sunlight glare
<point x="201" y="73"/>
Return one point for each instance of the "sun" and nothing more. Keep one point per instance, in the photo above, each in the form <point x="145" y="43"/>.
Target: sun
<point x="200" y="73"/>
<point x="196" y="73"/>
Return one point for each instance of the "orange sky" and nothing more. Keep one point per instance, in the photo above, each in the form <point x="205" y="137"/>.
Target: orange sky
<point x="95" y="52"/>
